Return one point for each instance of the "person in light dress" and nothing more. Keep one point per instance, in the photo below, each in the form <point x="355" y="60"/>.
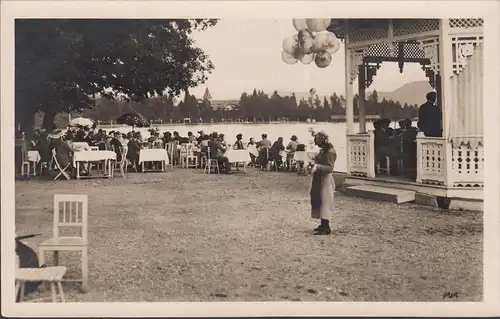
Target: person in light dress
<point x="322" y="183"/>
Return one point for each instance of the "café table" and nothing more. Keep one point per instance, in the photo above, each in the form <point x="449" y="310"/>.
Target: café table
<point x="94" y="156"/>
<point x="238" y="156"/>
<point x="153" y="155"/>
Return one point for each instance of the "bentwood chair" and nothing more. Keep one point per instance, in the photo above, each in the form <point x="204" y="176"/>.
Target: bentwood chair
<point x="210" y="163"/>
<point x="70" y="212"/>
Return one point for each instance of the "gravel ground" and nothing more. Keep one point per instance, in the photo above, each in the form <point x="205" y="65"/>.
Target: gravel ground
<point x="186" y="236"/>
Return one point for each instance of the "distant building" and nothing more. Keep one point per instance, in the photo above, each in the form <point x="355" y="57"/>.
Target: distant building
<point x="226" y="105"/>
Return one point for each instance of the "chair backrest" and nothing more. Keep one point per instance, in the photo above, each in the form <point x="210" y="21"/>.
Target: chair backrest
<point x="171" y="147"/>
<point x="123" y="153"/>
<point x="71" y="210"/>
<point x="94" y="148"/>
<point x="54" y="160"/>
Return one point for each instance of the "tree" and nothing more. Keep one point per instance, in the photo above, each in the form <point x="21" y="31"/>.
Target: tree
<point x="65" y="64"/>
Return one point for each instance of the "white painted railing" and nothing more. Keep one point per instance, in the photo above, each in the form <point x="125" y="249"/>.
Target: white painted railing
<point x="431" y="160"/>
<point x="467" y="165"/>
<point x="361" y="155"/>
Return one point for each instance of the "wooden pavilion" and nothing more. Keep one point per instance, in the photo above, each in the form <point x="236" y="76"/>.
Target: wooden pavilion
<point x="450" y="51"/>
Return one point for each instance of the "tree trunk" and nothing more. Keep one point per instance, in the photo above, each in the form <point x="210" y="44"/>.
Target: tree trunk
<point x="48" y="121"/>
<point x="26" y="125"/>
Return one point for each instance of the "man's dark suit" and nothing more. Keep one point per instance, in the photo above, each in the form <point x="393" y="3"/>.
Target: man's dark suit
<point x="429" y="119"/>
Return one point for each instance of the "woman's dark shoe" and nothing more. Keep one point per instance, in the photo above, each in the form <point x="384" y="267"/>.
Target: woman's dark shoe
<point x="324" y="228"/>
<point x="324" y="231"/>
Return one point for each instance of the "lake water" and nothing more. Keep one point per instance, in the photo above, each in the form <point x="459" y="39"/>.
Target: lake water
<point x="336" y="131"/>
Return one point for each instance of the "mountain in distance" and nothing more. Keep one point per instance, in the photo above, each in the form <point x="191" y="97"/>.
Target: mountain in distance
<point x="411" y="93"/>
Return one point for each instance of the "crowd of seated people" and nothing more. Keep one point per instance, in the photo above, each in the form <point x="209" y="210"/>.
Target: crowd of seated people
<point x="130" y="144"/>
<point x="399" y="145"/>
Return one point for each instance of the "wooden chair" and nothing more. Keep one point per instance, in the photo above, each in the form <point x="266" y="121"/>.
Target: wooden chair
<point x="48" y="275"/>
<point x="62" y="171"/>
<point x="70" y="211"/>
<point x="190" y="157"/>
<point x="171" y="149"/>
<point x="25" y="164"/>
<point x="387" y="168"/>
<point x="210" y="163"/>
<point x="203" y="160"/>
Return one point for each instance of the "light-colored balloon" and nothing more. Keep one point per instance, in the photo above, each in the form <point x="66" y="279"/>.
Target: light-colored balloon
<point x="323" y="59"/>
<point x="306" y="41"/>
<point x="313" y="121"/>
<point x="317" y="25"/>
<point x="308" y="121"/>
<point x="299" y="24"/>
<point x="291" y="44"/>
<point x="307" y="58"/>
<point x="288" y="58"/>
<point x="326" y="41"/>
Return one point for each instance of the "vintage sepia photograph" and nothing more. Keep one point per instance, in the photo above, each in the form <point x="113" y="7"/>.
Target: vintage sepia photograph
<point x="247" y="159"/>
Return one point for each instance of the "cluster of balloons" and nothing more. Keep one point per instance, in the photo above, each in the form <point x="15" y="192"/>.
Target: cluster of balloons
<point x="311" y="43"/>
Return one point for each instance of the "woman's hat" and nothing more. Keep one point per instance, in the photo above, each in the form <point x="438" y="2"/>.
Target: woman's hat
<point x="56" y="134"/>
<point x="322" y="133"/>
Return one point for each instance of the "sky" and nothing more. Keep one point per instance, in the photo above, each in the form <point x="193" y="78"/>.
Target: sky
<point x="247" y="55"/>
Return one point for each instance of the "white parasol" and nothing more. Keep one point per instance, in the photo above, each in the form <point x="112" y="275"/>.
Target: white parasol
<point x="81" y="121"/>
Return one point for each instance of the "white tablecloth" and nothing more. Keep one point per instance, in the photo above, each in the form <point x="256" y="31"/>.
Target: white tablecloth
<point x="300" y="156"/>
<point x="80" y="145"/>
<point x="93" y="156"/>
<point x="34" y="156"/>
<point x="238" y="156"/>
<point x="153" y="155"/>
<point x="253" y="150"/>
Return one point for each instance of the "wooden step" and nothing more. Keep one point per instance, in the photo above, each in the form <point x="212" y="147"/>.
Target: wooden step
<point x="387" y="194"/>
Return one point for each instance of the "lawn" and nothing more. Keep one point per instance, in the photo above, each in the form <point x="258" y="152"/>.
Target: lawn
<point x="186" y="236"/>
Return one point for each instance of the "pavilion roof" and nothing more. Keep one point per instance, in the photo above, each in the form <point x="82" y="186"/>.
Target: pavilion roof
<point x="337" y="26"/>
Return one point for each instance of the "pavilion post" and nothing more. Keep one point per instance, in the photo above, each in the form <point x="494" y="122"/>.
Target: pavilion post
<point x="445" y="74"/>
<point x="362" y="97"/>
<point x="349" y="108"/>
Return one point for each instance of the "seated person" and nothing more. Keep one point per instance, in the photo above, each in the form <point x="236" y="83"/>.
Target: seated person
<point x="191" y="138"/>
<point x="116" y="145"/>
<point x="264" y="142"/>
<point x="238" y="145"/>
<point x="408" y="135"/>
<point x="134" y="148"/>
<point x="222" y="139"/>
<point x="274" y="152"/>
<point x="216" y="152"/>
<point x="200" y="137"/>
<point x="152" y="138"/>
<point x="251" y="146"/>
<point x="176" y="137"/>
<point x="386" y="145"/>
<point x="64" y="152"/>
<point x="167" y="138"/>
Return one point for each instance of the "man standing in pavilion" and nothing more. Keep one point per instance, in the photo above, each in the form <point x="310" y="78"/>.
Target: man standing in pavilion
<point x="430" y="117"/>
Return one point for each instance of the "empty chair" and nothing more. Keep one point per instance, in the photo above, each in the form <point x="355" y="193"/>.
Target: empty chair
<point x="70" y="211"/>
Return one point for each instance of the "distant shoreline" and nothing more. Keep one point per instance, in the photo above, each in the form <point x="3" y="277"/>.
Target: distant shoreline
<point x="227" y="123"/>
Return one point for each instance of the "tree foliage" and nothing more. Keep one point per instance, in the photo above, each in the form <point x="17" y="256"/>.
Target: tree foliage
<point x="253" y="107"/>
<point x="63" y="65"/>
